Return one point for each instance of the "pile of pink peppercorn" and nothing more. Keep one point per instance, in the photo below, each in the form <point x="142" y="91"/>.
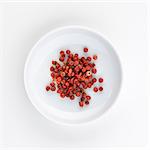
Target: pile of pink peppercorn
<point x="72" y="75"/>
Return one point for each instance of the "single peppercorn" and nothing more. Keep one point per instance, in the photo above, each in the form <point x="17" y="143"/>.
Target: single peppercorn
<point x="68" y="51"/>
<point x="101" y="80"/>
<point x="85" y="50"/>
<point x="95" y="89"/>
<point x="53" y="88"/>
<point x="72" y="97"/>
<point x="82" y="98"/>
<point x="95" y="57"/>
<point x="51" y="68"/>
<point x="52" y="75"/>
<point x="61" y="59"/>
<point x="94" y="80"/>
<point x="100" y="88"/>
<point x="53" y="62"/>
<point x="76" y="55"/>
<point x="52" y="84"/>
<point x="89" y="58"/>
<point x="78" y="94"/>
<point x="84" y="69"/>
<point x="94" y="70"/>
<point x="47" y="88"/>
<point x="62" y="95"/>
<point x="88" y="97"/>
<point x="87" y="102"/>
<point x="62" y="52"/>
<point x="81" y="104"/>
<point x="58" y="91"/>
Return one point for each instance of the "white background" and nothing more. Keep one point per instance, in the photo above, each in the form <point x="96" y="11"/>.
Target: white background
<point x="125" y="25"/>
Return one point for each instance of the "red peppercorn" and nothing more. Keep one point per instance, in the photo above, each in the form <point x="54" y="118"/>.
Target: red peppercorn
<point x="82" y="99"/>
<point x="62" y="52"/>
<point x="59" y="85"/>
<point x="95" y="89"/>
<point x="87" y="102"/>
<point x="95" y="57"/>
<point x="68" y="51"/>
<point x="71" y="63"/>
<point x="89" y="85"/>
<point x="76" y="69"/>
<point x="76" y="63"/>
<point x="94" y="70"/>
<point x="76" y="55"/>
<point x="88" y="97"/>
<point x="85" y="86"/>
<point x="72" y="97"/>
<point x="47" y="88"/>
<point x="51" y="68"/>
<point x="56" y="70"/>
<point x="52" y="84"/>
<point x="53" y="88"/>
<point x="100" y="88"/>
<point x="57" y="65"/>
<point x="62" y="74"/>
<point x="70" y="70"/>
<point x="64" y="86"/>
<point x="81" y="104"/>
<point x="84" y="94"/>
<point x="74" y="75"/>
<point x="52" y="75"/>
<point x="58" y="78"/>
<point x="84" y="69"/>
<point x="93" y="64"/>
<point x="78" y="94"/>
<point x="80" y="67"/>
<point x="67" y="84"/>
<point x="61" y="59"/>
<point x="58" y="91"/>
<point x="70" y="55"/>
<point x="89" y="58"/>
<point x="85" y="50"/>
<point x="101" y="80"/>
<point x="78" y="84"/>
<point x="82" y="59"/>
<point x="94" y="80"/>
<point x="62" y="95"/>
<point x="88" y="67"/>
<point x="53" y="62"/>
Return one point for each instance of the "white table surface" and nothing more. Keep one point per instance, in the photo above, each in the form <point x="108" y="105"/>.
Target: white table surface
<point x="124" y="24"/>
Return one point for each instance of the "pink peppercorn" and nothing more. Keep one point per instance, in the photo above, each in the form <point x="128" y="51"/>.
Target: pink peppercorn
<point x="95" y="57"/>
<point x="88" y="97"/>
<point x="101" y="80"/>
<point x="62" y="95"/>
<point x="47" y="88"/>
<point x="87" y="102"/>
<point x="95" y="89"/>
<point x="94" y="80"/>
<point x="85" y="50"/>
<point x="72" y="97"/>
<point x="89" y="58"/>
<point x="81" y="104"/>
<point x="67" y="51"/>
<point x="94" y="70"/>
<point x="52" y="84"/>
<point x="100" y="88"/>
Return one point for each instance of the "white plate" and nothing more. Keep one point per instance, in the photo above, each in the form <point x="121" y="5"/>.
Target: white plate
<point x="36" y="74"/>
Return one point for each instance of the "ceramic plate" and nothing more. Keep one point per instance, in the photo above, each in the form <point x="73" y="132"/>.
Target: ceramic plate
<point x="37" y="74"/>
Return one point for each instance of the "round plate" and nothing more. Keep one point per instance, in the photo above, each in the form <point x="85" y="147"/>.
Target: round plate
<point x="37" y="74"/>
